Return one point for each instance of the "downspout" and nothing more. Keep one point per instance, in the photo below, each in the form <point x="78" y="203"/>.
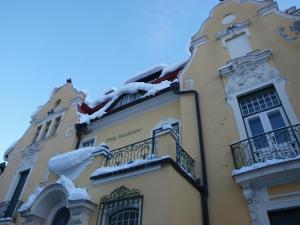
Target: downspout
<point x="204" y="192"/>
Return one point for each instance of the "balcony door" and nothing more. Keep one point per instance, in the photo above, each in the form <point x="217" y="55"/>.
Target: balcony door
<point x="260" y="126"/>
<point x="267" y="125"/>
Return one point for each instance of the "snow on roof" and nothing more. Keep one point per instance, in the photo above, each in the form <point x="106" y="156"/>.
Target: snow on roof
<point x="170" y="69"/>
<point x="131" y="88"/>
<point x="10" y="149"/>
<point x="105" y="170"/>
<point x="146" y="73"/>
<point x="73" y="158"/>
<point x="31" y="199"/>
<point x="262" y="165"/>
<point x="73" y="192"/>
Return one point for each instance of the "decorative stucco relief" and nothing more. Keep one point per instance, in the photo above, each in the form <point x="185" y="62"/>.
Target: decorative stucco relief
<point x="250" y="75"/>
<point x="29" y="157"/>
<point x="249" y="196"/>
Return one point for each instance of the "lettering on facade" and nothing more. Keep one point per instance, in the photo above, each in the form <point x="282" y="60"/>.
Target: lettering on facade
<point x="123" y="135"/>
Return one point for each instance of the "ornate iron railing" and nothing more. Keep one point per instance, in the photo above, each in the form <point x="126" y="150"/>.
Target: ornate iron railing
<point x="184" y="160"/>
<point x="128" y="154"/>
<point x="9" y="209"/>
<point x="147" y="149"/>
<point x="283" y="143"/>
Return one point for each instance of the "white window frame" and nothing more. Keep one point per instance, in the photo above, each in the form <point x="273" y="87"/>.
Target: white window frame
<point x="279" y="86"/>
<point x="88" y="140"/>
<point x="15" y="181"/>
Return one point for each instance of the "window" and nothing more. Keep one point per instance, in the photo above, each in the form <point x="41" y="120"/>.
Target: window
<point x="122" y="207"/>
<point x="62" y="217"/>
<point x="266" y="124"/>
<point x="14" y="202"/>
<point x="56" y="125"/>
<point x="125" y="217"/>
<point x="238" y="46"/>
<point x="126" y="99"/>
<point x="88" y="143"/>
<point x="47" y="126"/>
<point x="37" y="134"/>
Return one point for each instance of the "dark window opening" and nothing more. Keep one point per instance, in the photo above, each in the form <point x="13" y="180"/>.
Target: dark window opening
<point x="61" y="217"/>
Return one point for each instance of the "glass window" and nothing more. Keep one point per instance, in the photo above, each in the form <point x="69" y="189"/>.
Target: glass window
<point x="56" y="125"/>
<point x="47" y="126"/>
<point x="88" y="143"/>
<point x="37" y="133"/>
<point x="126" y="99"/>
<point x="61" y="217"/>
<point x="125" y="217"/>
<point x="122" y="207"/>
<point x="259" y="102"/>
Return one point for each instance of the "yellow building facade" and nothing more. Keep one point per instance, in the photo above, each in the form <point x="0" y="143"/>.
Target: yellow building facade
<point x="214" y="140"/>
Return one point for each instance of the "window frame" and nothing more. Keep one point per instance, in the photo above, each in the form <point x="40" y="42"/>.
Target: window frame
<point x="46" y="130"/>
<point x="119" y="200"/>
<point x="88" y="140"/>
<point x="37" y="134"/>
<point x="56" y="124"/>
<point x="262" y="113"/>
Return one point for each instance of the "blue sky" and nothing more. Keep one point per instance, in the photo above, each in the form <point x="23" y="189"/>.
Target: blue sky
<point x="97" y="43"/>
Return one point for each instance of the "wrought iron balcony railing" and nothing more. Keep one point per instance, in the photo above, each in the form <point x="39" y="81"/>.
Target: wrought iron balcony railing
<point x="9" y="209"/>
<point x="279" y="144"/>
<point x="184" y="160"/>
<point x="149" y="149"/>
<point x="128" y="154"/>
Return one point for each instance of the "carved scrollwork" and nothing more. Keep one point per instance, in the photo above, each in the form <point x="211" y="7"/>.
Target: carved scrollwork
<point x="249" y="75"/>
<point x="120" y="193"/>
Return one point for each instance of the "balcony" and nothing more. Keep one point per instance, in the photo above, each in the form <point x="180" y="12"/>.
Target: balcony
<point x="282" y="144"/>
<point x="8" y="210"/>
<point x="164" y="144"/>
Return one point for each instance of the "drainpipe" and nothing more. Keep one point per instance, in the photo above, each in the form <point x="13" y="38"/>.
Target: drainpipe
<point x="204" y="192"/>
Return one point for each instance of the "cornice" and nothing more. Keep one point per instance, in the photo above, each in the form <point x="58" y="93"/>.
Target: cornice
<point x="233" y="29"/>
<point x="255" y="58"/>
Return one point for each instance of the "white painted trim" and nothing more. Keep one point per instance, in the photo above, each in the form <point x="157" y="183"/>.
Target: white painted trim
<point x="263" y="206"/>
<point x="134" y="111"/>
<point x="183" y="73"/>
<point x="53" y="212"/>
<point x="280" y="86"/>
<point x="198" y="42"/>
<point x="267" y="9"/>
<point x="125" y="176"/>
<point x="15" y="181"/>
<point x="234" y="30"/>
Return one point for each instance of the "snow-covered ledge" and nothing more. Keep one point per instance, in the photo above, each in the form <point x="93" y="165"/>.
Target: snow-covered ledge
<point x="39" y="207"/>
<point x="6" y="221"/>
<point x="73" y="163"/>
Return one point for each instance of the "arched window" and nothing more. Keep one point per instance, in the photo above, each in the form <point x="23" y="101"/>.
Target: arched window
<point x="125" y="217"/>
<point x="62" y="217"/>
<point x="122" y="207"/>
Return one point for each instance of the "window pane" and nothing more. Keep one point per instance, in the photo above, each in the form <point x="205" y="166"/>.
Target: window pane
<point x="258" y="102"/>
<point x="256" y="126"/>
<point x="276" y="119"/>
